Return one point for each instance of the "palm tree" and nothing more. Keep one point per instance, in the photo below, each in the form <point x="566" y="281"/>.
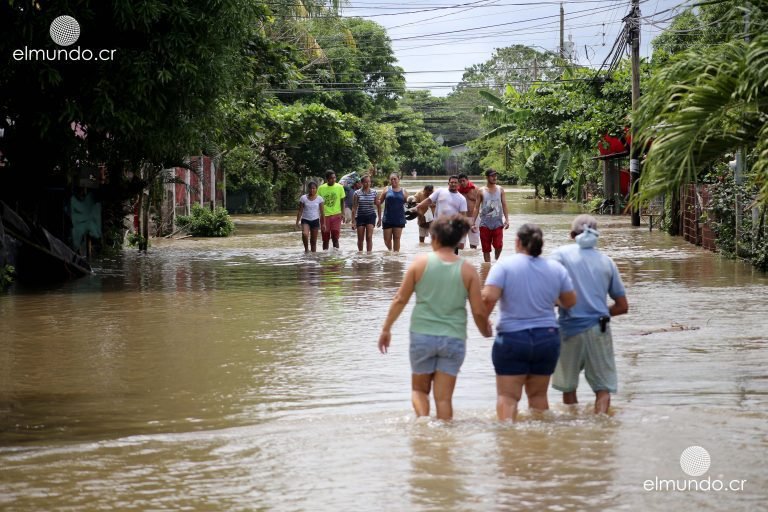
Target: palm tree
<point x="704" y="104"/>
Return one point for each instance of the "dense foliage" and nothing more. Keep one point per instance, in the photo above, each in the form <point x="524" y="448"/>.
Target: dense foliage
<point x="207" y="222"/>
<point x="707" y="101"/>
<point x="548" y="134"/>
<point x="279" y="92"/>
<point x="750" y="241"/>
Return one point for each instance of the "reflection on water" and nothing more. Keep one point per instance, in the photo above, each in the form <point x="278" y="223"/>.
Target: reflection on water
<point x="242" y="374"/>
<point x="435" y="481"/>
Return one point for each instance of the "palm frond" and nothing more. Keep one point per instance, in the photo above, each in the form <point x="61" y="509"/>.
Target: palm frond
<point x="499" y="130"/>
<point x="563" y="161"/>
<point x="494" y="100"/>
<point x="702" y="106"/>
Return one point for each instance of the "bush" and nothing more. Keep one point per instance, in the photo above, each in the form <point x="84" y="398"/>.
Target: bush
<point x="206" y="222"/>
<point x="7" y="273"/>
<point x="135" y="240"/>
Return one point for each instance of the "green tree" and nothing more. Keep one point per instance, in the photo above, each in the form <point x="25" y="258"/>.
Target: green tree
<point x="290" y="143"/>
<point x="518" y="66"/>
<point x="353" y="68"/>
<point x="705" y="103"/>
<point x="554" y="128"/>
<point x="417" y="149"/>
<point x="454" y="118"/>
<point x="144" y="110"/>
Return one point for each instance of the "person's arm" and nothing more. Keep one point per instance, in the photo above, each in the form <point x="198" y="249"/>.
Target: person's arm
<point x="476" y="210"/>
<point x="479" y="311"/>
<point x="322" y="213"/>
<point x="620" y="306"/>
<point x="355" y="203"/>
<point x="398" y="303"/>
<point x="567" y="299"/>
<point x="378" y="212"/>
<point x="490" y="294"/>
<point x="379" y="201"/>
<point x="298" y="214"/>
<point x="422" y="206"/>
<point x="504" y="209"/>
<point x="617" y="292"/>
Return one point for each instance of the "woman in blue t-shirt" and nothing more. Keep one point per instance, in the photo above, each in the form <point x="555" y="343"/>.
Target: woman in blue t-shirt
<point x="527" y="344"/>
<point x="393" y="222"/>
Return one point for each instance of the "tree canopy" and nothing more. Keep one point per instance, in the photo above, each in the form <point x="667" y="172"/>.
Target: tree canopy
<point x="173" y="62"/>
<point x="708" y="101"/>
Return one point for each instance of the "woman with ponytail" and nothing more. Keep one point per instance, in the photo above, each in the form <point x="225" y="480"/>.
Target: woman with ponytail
<point x="527" y="343"/>
<point x="443" y="282"/>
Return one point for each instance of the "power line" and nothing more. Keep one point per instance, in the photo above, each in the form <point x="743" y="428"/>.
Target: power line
<point x="581" y="14"/>
<point x="363" y="88"/>
<point x="457" y="39"/>
<point x="588" y="11"/>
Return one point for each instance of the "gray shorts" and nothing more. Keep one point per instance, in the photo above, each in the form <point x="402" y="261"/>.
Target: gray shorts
<point x="591" y="351"/>
<point x="436" y="353"/>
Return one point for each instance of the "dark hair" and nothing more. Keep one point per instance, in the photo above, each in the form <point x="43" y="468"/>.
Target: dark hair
<point x="453" y="177"/>
<point x="328" y="173"/>
<point x="429" y="187"/>
<point x="531" y="239"/>
<point x="462" y="175"/>
<point x="489" y="172"/>
<point x="310" y="185"/>
<point x="449" y="231"/>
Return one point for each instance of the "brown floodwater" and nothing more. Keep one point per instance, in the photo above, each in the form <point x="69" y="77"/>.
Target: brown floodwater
<point x="240" y="374"/>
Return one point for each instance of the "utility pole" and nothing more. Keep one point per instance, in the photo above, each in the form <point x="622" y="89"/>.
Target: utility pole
<point x="562" y="32"/>
<point x="739" y="169"/>
<point x="634" y="152"/>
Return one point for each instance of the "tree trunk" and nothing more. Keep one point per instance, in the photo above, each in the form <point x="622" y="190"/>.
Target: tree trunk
<point x="674" y="222"/>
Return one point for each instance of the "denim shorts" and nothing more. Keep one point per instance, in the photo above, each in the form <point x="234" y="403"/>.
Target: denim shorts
<point x="436" y="353"/>
<point x="364" y="220"/>
<point x="526" y="352"/>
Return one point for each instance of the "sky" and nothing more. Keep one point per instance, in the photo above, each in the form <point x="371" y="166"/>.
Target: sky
<point x="435" y="40"/>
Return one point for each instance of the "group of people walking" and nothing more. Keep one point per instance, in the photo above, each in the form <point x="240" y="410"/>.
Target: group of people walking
<point x="533" y="344"/>
<point x="532" y="341"/>
<point x="323" y="209"/>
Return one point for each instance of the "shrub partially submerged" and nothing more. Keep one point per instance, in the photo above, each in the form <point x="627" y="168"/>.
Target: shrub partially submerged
<point x="206" y="222"/>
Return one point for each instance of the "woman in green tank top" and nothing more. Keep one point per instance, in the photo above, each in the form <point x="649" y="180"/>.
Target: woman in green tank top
<point x="443" y="282"/>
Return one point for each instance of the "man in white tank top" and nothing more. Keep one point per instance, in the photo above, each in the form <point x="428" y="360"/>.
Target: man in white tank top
<point x="491" y="206"/>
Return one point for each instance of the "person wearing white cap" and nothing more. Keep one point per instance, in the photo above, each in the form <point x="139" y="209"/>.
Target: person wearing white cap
<point x="585" y="328"/>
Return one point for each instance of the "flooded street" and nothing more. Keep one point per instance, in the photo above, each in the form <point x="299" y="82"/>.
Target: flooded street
<point x="241" y="374"/>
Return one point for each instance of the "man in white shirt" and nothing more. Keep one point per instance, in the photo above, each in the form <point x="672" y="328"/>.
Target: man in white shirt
<point x="448" y="201"/>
